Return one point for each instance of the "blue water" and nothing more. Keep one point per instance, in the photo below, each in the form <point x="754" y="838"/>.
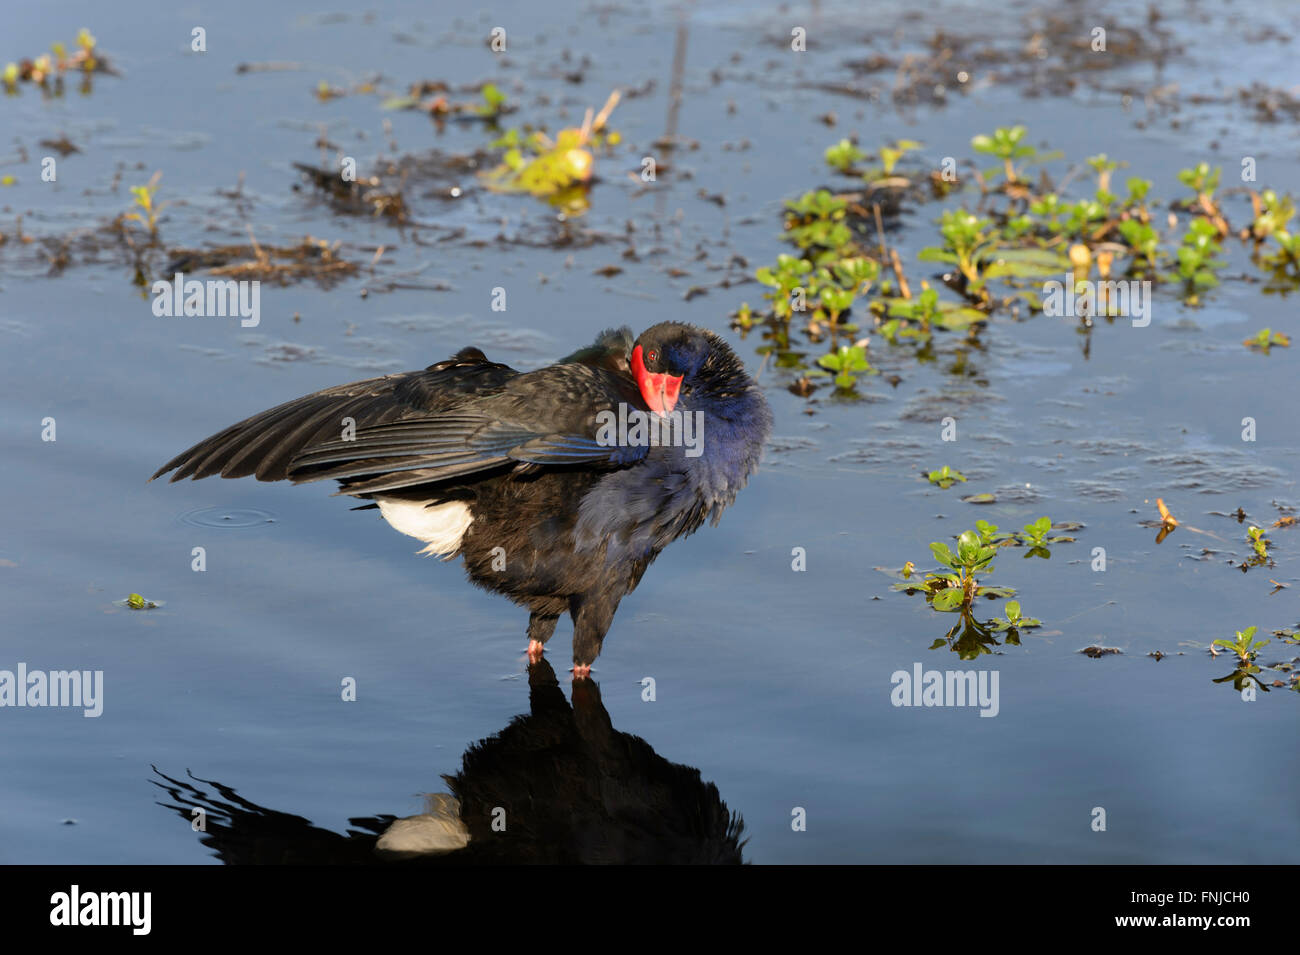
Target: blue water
<point x="775" y="684"/>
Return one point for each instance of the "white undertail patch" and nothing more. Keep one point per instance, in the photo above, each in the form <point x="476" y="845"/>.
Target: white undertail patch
<point x="440" y="526"/>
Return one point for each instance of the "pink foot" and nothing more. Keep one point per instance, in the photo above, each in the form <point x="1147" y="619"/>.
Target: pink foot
<point x="582" y="671"/>
<point x="535" y="650"/>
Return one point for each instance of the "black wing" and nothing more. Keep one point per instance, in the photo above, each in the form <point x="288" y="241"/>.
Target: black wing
<point x="458" y="417"/>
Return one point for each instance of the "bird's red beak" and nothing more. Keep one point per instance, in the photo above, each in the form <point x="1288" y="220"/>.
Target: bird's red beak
<point x="659" y="391"/>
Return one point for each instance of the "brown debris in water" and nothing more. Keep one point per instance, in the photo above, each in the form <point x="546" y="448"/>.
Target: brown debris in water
<point x="311" y="258"/>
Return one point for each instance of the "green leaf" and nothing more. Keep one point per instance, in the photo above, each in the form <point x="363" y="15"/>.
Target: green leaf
<point x="956" y="317"/>
<point x="932" y="253"/>
<point x="1039" y="528"/>
<point x="948" y="600"/>
<point x="943" y="554"/>
<point x="1026" y="263"/>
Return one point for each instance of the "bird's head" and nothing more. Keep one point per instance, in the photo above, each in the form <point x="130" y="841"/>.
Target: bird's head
<point x="666" y="356"/>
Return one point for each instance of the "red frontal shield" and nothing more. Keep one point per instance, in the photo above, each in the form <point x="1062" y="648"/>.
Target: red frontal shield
<point x="661" y="390"/>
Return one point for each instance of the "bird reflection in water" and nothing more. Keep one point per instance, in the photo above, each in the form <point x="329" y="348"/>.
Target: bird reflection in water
<point x="559" y="785"/>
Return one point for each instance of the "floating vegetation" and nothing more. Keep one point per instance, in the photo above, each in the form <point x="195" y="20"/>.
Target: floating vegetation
<point x="430" y="97"/>
<point x="311" y="258"/>
<point x="1014" y="619"/>
<point x="1008" y="145"/>
<point x="1249" y="673"/>
<point x="1025" y="248"/>
<point x="1246" y="649"/>
<point x="146" y="207"/>
<point x="1244" y="646"/>
<point x="1266" y="339"/>
<point x="844" y="157"/>
<point x="367" y="194"/>
<point x="556" y="169"/>
<point x="957" y="587"/>
<point x="1259" y="545"/>
<point x="847" y="363"/>
<point x="1033" y="535"/>
<point x="137" y="602"/>
<point x="47" y="71"/>
<point x="945" y="477"/>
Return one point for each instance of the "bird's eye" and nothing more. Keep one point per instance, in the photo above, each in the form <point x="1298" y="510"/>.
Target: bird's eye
<point x="654" y="354"/>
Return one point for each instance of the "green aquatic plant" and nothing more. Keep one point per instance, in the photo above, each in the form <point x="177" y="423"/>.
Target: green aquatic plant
<point x="1266" y="339"/>
<point x="542" y="166"/>
<point x="890" y="155"/>
<point x="815" y="222"/>
<point x="847" y="363"/>
<point x="743" y="317"/>
<point x="1258" y="542"/>
<point x="788" y="275"/>
<point x="494" y="101"/>
<point x="1049" y="207"/>
<point x="1142" y="239"/>
<point x="844" y="155"/>
<point x="1273" y="213"/>
<point x="1288" y="252"/>
<point x="818" y="204"/>
<point x="923" y="309"/>
<point x="968" y="239"/>
<point x="1103" y="166"/>
<point x="1014" y="620"/>
<point x="556" y="169"/>
<point x="1201" y="179"/>
<point x="858" y="273"/>
<point x="40" y="69"/>
<point x="957" y="587"/>
<point x="1035" y="536"/>
<point x="835" y="302"/>
<point x="922" y="312"/>
<point x="148" y="208"/>
<point x="1196" y="256"/>
<point x="1017" y="227"/>
<point x="1244" y="646"/>
<point x="1035" y="533"/>
<point x="999" y="253"/>
<point x="1006" y="144"/>
<point x="945" y="477"/>
<point x="1083" y="217"/>
<point x="1138" y="189"/>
